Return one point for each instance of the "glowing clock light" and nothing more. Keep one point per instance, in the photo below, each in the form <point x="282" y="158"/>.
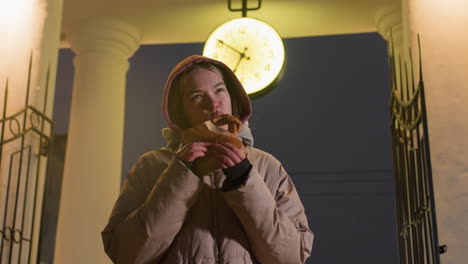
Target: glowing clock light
<point x="251" y="48"/>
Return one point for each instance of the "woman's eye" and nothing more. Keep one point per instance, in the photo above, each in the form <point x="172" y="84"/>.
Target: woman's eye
<point x="220" y="89"/>
<point x="196" y="96"/>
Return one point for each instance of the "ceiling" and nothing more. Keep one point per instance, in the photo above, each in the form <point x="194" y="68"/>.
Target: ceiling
<point x="185" y="21"/>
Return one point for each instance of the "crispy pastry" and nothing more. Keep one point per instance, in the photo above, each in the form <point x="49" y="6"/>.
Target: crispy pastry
<point x="210" y="132"/>
<point x="233" y="123"/>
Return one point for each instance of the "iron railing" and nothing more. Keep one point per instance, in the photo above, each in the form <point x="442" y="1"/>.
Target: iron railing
<point x="418" y="242"/>
<point x="25" y="139"/>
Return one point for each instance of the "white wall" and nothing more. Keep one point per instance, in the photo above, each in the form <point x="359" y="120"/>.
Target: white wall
<point x="442" y="26"/>
<point x="27" y="27"/>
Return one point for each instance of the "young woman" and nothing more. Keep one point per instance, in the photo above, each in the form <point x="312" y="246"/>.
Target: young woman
<point x="244" y="210"/>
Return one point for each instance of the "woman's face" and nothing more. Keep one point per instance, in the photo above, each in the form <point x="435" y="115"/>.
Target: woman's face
<point x="205" y="96"/>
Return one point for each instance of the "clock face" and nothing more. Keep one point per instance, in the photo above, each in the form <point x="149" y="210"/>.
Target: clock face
<point x="251" y="48"/>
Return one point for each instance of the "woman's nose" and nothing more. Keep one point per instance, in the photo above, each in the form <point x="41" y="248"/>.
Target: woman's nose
<point x="212" y="103"/>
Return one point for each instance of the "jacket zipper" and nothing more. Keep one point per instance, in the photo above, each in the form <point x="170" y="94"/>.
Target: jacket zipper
<point x="215" y="224"/>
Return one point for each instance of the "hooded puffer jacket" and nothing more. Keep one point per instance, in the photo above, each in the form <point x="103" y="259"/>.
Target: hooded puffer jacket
<point x="167" y="214"/>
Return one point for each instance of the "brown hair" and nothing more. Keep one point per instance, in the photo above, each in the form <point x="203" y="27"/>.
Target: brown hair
<point x="175" y="106"/>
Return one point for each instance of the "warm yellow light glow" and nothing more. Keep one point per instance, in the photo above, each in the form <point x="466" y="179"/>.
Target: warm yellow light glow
<point x="16" y="26"/>
<point x="14" y="11"/>
<point x="251" y="48"/>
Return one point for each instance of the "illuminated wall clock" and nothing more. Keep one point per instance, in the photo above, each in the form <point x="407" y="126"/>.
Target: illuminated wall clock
<point x="251" y="48"/>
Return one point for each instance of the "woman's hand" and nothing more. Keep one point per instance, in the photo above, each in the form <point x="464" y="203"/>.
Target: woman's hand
<point x="208" y="156"/>
<point x="192" y="151"/>
<point x="226" y="154"/>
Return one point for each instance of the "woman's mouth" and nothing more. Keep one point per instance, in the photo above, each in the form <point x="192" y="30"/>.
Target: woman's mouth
<point x="216" y="114"/>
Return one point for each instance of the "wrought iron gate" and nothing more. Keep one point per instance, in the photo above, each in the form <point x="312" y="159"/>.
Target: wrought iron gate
<point x="418" y="242"/>
<point x="25" y="138"/>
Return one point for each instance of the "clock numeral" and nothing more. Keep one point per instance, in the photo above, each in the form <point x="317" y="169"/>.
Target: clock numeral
<point x="215" y="55"/>
<point x="257" y="76"/>
<point x="228" y="35"/>
<point x="266" y="43"/>
<point x="268" y="67"/>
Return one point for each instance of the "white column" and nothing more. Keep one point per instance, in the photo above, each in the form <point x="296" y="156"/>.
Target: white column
<point x="442" y="26"/>
<point x="94" y="149"/>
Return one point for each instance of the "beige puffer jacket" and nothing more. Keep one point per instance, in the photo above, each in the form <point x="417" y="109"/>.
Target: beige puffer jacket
<point x="167" y="214"/>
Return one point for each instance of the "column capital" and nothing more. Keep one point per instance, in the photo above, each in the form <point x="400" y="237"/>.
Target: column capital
<point x="388" y="21"/>
<point x="104" y="36"/>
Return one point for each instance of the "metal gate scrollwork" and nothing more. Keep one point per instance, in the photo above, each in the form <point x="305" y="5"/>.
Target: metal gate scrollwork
<point x="25" y="139"/>
<point x="416" y="218"/>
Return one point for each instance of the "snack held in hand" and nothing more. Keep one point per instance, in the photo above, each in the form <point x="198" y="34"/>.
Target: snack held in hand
<point x="209" y="131"/>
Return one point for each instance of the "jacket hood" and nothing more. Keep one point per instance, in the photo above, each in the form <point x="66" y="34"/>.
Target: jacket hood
<point x="233" y="85"/>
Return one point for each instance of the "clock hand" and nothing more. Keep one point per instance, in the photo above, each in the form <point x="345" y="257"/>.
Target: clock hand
<point x="237" y="65"/>
<point x="242" y="56"/>
<point x="229" y="46"/>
